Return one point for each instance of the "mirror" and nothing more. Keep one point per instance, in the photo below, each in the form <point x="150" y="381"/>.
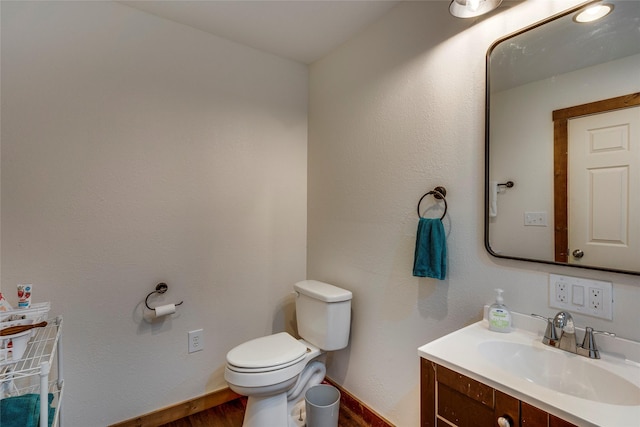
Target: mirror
<point x="563" y="127"/>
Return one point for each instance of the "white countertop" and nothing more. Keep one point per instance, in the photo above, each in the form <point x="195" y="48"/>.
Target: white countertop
<point x="459" y="351"/>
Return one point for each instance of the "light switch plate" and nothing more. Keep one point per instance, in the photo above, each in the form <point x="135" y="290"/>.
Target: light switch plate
<point x="585" y="296"/>
<point x="536" y="219"/>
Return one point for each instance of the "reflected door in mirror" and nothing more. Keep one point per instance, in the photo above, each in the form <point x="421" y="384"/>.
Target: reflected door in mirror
<point x="604" y="188"/>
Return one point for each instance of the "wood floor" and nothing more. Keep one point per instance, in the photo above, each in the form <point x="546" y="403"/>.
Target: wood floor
<point x="231" y="414"/>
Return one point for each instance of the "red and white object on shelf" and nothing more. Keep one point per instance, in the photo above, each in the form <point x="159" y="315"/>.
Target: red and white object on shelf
<point x="12" y="347"/>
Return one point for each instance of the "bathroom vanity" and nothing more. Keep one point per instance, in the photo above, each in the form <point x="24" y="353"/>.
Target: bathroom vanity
<point x="463" y="401"/>
<point x="473" y="377"/>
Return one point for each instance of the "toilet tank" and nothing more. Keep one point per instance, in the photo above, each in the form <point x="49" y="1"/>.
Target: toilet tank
<point x="323" y="314"/>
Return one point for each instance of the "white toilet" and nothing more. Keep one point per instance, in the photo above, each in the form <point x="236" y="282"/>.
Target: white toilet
<point x="275" y="371"/>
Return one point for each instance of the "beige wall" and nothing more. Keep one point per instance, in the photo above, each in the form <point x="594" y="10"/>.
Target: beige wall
<point x="136" y="150"/>
<point x="393" y="113"/>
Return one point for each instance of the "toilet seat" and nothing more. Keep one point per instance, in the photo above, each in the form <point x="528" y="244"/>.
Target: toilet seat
<point x="265" y="354"/>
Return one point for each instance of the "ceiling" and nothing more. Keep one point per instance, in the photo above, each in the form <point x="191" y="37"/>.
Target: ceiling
<point x="306" y="30"/>
<point x="301" y="30"/>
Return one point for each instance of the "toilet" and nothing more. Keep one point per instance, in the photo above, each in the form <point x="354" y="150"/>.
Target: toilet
<point x="275" y="371"/>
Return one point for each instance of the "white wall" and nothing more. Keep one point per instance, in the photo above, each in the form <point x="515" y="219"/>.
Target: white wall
<point x="395" y="112"/>
<point x="136" y="150"/>
<point x="522" y="148"/>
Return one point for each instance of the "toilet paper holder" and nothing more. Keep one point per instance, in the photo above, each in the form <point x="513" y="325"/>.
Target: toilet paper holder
<point x="161" y="288"/>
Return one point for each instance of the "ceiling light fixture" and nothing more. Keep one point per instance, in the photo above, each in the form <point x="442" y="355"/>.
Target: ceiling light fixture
<point x="593" y="13"/>
<point x="472" y="8"/>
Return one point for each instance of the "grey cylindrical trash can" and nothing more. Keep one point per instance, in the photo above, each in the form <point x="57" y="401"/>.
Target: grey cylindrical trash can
<point x="322" y="406"/>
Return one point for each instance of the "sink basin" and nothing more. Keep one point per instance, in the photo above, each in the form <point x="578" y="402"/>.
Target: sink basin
<point x="561" y="371"/>
<point x="586" y="392"/>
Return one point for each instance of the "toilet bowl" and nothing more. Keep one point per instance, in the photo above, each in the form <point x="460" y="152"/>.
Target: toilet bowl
<point x="275" y="371"/>
<point x="267" y="361"/>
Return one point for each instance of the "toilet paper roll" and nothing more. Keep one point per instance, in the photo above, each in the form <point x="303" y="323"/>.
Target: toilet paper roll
<point x="164" y="310"/>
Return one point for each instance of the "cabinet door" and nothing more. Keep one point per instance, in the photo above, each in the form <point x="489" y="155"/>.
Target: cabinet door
<point x="462" y="411"/>
<point x="427" y="393"/>
<point x="532" y="416"/>
<point x="463" y="401"/>
<point x="558" y="422"/>
<point x="508" y="407"/>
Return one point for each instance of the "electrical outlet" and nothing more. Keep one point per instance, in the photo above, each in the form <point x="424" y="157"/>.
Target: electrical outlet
<point x="595" y="299"/>
<point x="196" y="342"/>
<point x="562" y="293"/>
<point x="568" y="293"/>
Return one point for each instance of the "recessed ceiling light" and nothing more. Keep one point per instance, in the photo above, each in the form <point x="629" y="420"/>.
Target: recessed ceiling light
<point x="593" y="13"/>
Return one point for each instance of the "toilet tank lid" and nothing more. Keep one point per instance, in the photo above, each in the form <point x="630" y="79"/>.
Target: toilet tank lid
<point x="322" y="291"/>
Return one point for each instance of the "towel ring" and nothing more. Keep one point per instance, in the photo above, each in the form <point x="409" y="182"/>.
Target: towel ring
<point x="439" y="193"/>
<point x="161" y="288"/>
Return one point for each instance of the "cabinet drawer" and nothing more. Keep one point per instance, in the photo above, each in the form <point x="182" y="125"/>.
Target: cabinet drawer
<point x="462" y="411"/>
<point x="471" y="388"/>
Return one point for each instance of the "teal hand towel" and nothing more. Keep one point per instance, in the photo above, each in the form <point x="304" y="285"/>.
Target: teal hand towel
<point x="23" y="411"/>
<point x="430" y="258"/>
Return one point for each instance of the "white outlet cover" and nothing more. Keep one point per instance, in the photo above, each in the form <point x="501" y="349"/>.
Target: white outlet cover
<point x="572" y="303"/>
<point x="196" y="341"/>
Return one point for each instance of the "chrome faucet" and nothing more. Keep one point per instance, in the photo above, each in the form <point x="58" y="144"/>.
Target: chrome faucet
<point x="567" y="341"/>
<point x="566" y="338"/>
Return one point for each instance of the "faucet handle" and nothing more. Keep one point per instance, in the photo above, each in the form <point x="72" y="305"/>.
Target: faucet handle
<point x="550" y="335"/>
<point x="589" y="347"/>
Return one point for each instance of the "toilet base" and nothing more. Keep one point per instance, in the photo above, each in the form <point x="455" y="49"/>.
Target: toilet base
<point x="286" y="408"/>
<point x="266" y="410"/>
<point x="271" y="410"/>
<point x="298" y="415"/>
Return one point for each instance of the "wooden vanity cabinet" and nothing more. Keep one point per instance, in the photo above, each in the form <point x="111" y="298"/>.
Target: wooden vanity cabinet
<point x="448" y="398"/>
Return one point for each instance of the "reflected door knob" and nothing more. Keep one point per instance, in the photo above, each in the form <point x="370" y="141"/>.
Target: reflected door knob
<point x="578" y="253"/>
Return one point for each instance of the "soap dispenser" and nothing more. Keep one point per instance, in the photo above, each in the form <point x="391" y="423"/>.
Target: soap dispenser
<point x="499" y="315"/>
